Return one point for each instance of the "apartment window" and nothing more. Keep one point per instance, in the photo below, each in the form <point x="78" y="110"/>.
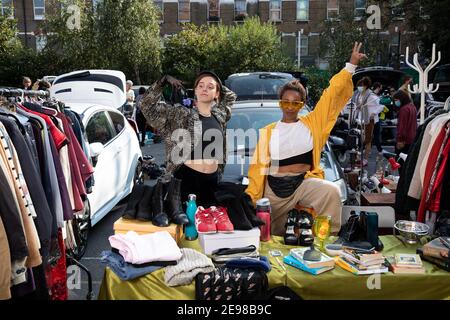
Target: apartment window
<point x="7" y="8"/>
<point x="184" y="11"/>
<point x="240" y="8"/>
<point x="39" y="9"/>
<point x="41" y="42"/>
<point x="360" y="8"/>
<point x="275" y="10"/>
<point x="397" y="9"/>
<point x="303" y="45"/>
<point x="213" y="10"/>
<point x="95" y="4"/>
<point x="303" y="10"/>
<point x="332" y="9"/>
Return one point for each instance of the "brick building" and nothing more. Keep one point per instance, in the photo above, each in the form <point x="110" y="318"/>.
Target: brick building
<point x="293" y="18"/>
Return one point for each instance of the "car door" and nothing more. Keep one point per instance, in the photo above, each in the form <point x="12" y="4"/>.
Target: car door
<point x="122" y="146"/>
<point x="100" y="130"/>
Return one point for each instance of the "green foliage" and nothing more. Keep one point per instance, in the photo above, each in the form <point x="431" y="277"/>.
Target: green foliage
<point x="337" y="41"/>
<point x="8" y="41"/>
<point x="429" y="18"/>
<point x="250" y="46"/>
<point x="318" y="80"/>
<point x="120" y="35"/>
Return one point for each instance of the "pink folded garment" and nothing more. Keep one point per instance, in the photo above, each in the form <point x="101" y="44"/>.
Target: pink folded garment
<point x="139" y="249"/>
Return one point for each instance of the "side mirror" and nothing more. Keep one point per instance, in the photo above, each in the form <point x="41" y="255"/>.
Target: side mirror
<point x="95" y="148"/>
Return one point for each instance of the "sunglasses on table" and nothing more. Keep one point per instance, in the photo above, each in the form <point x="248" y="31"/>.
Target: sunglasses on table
<point x="285" y="104"/>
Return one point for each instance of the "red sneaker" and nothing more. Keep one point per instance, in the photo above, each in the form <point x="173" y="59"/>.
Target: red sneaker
<point x="204" y="221"/>
<point x="223" y="223"/>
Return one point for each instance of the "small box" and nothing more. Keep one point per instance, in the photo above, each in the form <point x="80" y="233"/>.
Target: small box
<point x="122" y="226"/>
<point x="237" y="239"/>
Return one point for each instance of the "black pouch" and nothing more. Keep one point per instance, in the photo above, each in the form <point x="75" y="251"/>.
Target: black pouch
<point x="284" y="187"/>
<point x="231" y="284"/>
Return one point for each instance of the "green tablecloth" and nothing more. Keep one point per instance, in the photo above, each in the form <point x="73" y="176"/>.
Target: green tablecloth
<point x="334" y="284"/>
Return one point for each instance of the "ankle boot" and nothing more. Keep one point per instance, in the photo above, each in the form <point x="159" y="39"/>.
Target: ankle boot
<point x="144" y="211"/>
<point x="160" y="217"/>
<point x="173" y="204"/>
<point x="291" y="236"/>
<point x="135" y="198"/>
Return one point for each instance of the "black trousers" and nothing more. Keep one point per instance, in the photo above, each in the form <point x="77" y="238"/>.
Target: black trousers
<point x="377" y="136"/>
<point x="203" y="185"/>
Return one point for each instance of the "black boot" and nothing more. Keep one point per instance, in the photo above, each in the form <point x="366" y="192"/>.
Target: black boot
<point x="173" y="202"/>
<point x="144" y="212"/>
<point x="160" y="217"/>
<point x="291" y="234"/>
<point x="135" y="198"/>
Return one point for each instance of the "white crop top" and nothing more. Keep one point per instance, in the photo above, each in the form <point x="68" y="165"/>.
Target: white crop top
<point x="289" y="140"/>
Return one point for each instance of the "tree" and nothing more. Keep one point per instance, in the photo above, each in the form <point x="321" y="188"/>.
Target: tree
<point x="121" y="35"/>
<point x="338" y="37"/>
<point x="8" y="40"/>
<point x="247" y="47"/>
<point x="429" y="18"/>
<point x="128" y="34"/>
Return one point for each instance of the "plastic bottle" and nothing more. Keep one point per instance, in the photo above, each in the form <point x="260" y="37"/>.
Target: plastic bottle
<point x="263" y="211"/>
<point x="190" y="230"/>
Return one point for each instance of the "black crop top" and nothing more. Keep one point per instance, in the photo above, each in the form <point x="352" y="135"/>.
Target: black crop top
<point x="208" y="123"/>
<point x="305" y="158"/>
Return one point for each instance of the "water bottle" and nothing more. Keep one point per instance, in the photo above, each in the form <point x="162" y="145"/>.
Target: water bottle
<point x="190" y="230"/>
<point x="263" y="211"/>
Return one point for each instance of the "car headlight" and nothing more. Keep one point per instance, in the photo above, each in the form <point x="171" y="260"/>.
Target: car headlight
<point x="343" y="187"/>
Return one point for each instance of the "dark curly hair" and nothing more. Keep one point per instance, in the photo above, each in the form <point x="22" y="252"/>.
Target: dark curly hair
<point x="293" y="85"/>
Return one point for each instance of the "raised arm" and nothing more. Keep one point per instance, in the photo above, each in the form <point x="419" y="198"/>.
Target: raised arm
<point x="228" y="97"/>
<point x="159" y="114"/>
<point x="335" y="97"/>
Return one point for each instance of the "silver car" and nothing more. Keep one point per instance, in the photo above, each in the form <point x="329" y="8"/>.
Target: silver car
<point x="256" y="113"/>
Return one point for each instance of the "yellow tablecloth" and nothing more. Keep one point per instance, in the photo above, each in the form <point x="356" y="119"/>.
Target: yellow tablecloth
<point x="335" y="284"/>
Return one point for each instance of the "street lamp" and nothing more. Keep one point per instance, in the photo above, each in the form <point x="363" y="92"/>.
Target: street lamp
<point x="299" y="53"/>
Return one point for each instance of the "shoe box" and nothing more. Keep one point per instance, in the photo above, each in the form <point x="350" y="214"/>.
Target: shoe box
<point x="122" y="226"/>
<point x="239" y="238"/>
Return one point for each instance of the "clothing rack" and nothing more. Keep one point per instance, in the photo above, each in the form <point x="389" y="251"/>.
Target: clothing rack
<point x="24" y="93"/>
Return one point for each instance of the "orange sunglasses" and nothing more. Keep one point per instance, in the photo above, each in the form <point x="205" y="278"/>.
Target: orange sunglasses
<point x="284" y="104"/>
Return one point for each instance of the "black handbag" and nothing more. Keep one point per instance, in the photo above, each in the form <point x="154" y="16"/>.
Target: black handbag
<point x="231" y="284"/>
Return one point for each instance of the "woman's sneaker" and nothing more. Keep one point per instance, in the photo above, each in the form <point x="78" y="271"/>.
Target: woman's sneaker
<point x="223" y="223"/>
<point x="204" y="221"/>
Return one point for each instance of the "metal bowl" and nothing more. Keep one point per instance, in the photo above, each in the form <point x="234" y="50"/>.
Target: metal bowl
<point x="411" y="231"/>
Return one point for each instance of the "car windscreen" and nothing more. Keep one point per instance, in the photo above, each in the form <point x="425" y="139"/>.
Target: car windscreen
<point x="257" y="87"/>
<point x="250" y="120"/>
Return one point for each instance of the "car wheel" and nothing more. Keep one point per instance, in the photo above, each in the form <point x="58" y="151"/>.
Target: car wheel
<point x="81" y="225"/>
<point x="138" y="173"/>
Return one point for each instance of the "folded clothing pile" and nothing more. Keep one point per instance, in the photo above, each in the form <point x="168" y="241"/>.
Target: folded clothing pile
<point x="191" y="264"/>
<point x="221" y="256"/>
<point x="125" y="271"/>
<point x="141" y="249"/>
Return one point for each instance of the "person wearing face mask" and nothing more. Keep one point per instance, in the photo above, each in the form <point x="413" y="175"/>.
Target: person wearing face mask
<point x="367" y="105"/>
<point x="406" y="122"/>
<point x="376" y="88"/>
<point x="195" y="137"/>
<point x="285" y="167"/>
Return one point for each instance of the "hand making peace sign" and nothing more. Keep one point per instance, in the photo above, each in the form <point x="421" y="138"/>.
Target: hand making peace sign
<point x="356" y="55"/>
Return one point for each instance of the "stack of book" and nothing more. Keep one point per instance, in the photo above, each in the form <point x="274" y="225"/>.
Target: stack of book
<point x="362" y="264"/>
<point x="405" y="263"/>
<point x="437" y="252"/>
<point x="295" y="259"/>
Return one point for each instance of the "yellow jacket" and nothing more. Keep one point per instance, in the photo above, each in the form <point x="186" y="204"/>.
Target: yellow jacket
<point x="320" y="122"/>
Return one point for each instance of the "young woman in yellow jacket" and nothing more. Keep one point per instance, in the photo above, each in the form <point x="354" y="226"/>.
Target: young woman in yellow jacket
<point x="285" y="166"/>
